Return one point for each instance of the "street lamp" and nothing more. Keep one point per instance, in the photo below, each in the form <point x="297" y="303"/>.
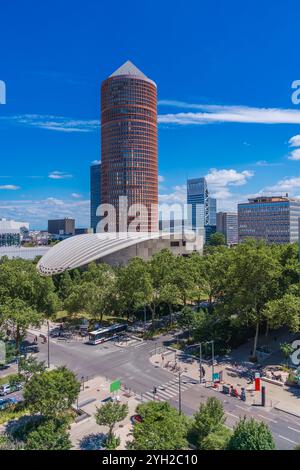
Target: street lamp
<point x="48" y="341"/>
<point x="179" y="394"/>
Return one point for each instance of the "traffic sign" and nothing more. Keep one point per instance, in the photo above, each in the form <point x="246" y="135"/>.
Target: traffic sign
<point x="115" y="386"/>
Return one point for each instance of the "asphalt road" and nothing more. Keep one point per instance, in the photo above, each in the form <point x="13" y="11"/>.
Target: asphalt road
<point x="132" y="366"/>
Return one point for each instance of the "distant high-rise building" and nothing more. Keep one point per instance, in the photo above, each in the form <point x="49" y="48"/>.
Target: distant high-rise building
<point x="62" y="227"/>
<point x="198" y="200"/>
<point x="95" y="194"/>
<point x="129" y="142"/>
<point x="274" y="219"/>
<point x="227" y="223"/>
<point x="212" y="211"/>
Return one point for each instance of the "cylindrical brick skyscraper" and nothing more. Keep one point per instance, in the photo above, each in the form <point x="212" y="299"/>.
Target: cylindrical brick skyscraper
<point x="129" y="142"/>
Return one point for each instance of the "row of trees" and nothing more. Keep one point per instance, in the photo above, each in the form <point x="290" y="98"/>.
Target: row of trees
<point x="248" y="287"/>
<point x="163" y="428"/>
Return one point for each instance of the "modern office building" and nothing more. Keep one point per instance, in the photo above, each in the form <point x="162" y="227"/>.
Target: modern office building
<point x="202" y="209"/>
<point x="12" y="232"/>
<point x="95" y="194"/>
<point x="212" y="211"/>
<point x="129" y="143"/>
<point x="227" y="223"/>
<point x="198" y="201"/>
<point x="274" y="219"/>
<point x="61" y="227"/>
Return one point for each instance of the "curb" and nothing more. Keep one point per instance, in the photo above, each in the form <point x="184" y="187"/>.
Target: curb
<point x="292" y="413"/>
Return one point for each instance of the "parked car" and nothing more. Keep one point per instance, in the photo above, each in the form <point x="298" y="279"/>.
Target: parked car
<point x="136" y="419"/>
<point x="6" y="389"/>
<point x="7" y="402"/>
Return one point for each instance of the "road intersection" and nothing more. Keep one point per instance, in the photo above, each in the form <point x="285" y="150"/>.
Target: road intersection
<point x="139" y="376"/>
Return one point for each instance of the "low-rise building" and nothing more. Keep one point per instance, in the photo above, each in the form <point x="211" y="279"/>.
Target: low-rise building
<point x="227" y="223"/>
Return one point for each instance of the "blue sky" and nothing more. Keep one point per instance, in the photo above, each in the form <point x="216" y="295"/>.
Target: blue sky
<point x="224" y="72"/>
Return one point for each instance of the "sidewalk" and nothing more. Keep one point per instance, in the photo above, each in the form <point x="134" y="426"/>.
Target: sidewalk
<point x="282" y="397"/>
<point x="87" y="434"/>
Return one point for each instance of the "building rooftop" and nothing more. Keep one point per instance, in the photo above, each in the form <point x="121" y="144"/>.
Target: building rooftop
<point x="129" y="69"/>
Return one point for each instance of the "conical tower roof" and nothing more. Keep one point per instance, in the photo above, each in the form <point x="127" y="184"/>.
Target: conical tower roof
<point x="129" y="69"/>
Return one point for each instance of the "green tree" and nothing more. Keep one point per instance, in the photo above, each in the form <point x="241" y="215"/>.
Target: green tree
<point x="51" y="393"/>
<point x="133" y="286"/>
<point x="49" y="435"/>
<point x="286" y="349"/>
<point x="283" y="311"/>
<point x="208" y="420"/>
<point x="19" y="279"/>
<point x="251" y="435"/>
<point x="186" y="319"/>
<point x="217" y="239"/>
<point x="217" y="440"/>
<point x="162" y="428"/>
<point x="253" y="280"/>
<point x="30" y="366"/>
<point x="170" y="295"/>
<point x="17" y="316"/>
<point x="109" y="415"/>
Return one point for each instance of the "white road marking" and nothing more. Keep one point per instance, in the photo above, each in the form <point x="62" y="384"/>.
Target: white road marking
<point x="269" y="419"/>
<point x="230" y="414"/>
<point x="242" y="408"/>
<point x="286" y="439"/>
<point x="294" y="429"/>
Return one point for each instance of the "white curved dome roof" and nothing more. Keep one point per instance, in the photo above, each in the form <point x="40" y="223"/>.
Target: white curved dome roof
<point x="81" y="250"/>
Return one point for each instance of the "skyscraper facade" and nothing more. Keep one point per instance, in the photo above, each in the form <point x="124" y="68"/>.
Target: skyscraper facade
<point x="198" y="201"/>
<point x="274" y="219"/>
<point x="95" y="194"/>
<point x="129" y="143"/>
<point x="212" y="211"/>
<point x="227" y="223"/>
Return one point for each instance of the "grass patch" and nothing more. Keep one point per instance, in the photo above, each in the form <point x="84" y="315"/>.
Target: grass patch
<point x="12" y="413"/>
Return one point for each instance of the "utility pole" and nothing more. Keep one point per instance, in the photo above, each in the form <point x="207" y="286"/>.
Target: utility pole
<point x="179" y="394"/>
<point x="200" y="362"/>
<point x="213" y="360"/>
<point x="48" y="340"/>
<point x="145" y="319"/>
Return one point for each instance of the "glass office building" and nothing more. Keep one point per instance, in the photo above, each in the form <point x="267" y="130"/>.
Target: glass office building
<point x="198" y="201"/>
<point x="95" y="194"/>
<point x="212" y="211"/>
<point x="274" y="219"/>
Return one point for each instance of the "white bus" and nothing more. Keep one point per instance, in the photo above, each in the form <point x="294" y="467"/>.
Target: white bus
<point x="105" y="334"/>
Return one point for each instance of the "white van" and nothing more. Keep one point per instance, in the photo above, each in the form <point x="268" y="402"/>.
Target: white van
<point x="5" y="389"/>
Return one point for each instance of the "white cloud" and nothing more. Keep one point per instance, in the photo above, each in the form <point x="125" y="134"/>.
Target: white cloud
<point x="178" y="195"/>
<point x="53" y="123"/>
<point x="96" y="162"/>
<point x="222" y="178"/>
<point x="76" y="195"/>
<point x="59" y="175"/>
<point x="161" y="178"/>
<point x="294" y="155"/>
<point x="10" y="187"/>
<point x="38" y="211"/>
<point x="219" y="113"/>
<point x="295" y="141"/>
<point x="285" y="185"/>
